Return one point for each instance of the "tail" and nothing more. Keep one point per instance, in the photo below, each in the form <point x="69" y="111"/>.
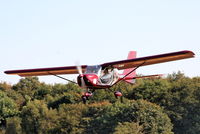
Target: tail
<point x="131" y="55"/>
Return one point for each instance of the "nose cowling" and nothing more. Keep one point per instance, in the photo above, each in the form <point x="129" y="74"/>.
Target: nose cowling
<point x="89" y="79"/>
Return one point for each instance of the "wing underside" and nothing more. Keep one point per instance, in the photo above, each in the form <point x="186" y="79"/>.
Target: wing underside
<point x="123" y="64"/>
<point x="46" y="71"/>
<point x="149" y="60"/>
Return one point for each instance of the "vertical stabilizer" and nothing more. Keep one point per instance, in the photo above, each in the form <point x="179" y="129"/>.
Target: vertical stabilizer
<point x="131" y="55"/>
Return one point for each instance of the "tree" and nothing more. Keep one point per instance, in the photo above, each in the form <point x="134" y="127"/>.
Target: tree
<point x="184" y="108"/>
<point x="66" y="98"/>
<point x="178" y="95"/>
<point x="5" y="86"/>
<point x="128" y="128"/>
<point x="7" y="108"/>
<point x="36" y="108"/>
<point x="27" y="83"/>
<point x="150" y="116"/>
<point x="27" y="86"/>
<point x="153" y="90"/>
<point x="13" y="125"/>
<point x="42" y="91"/>
<point x="70" y="118"/>
<point x="38" y="119"/>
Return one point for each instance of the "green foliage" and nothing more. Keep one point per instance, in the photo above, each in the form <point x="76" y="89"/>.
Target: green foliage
<point x="70" y="118"/>
<point x="16" y="97"/>
<point x="125" y="87"/>
<point x="178" y="95"/>
<point x="184" y="108"/>
<point x="42" y="91"/>
<point x="13" y="125"/>
<point x="149" y="115"/>
<point x="28" y="83"/>
<point x="128" y="128"/>
<point x="27" y="86"/>
<point x="7" y="108"/>
<point x="101" y="95"/>
<point x="38" y="119"/>
<point x="65" y="99"/>
<point x="37" y="108"/>
<point x="152" y="90"/>
<point x="59" y="89"/>
<point x="4" y="86"/>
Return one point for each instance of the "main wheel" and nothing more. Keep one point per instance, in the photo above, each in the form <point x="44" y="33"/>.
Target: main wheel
<point x="117" y="94"/>
<point x="84" y="99"/>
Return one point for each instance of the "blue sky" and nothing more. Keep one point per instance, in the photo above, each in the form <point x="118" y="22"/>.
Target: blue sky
<point x="52" y="33"/>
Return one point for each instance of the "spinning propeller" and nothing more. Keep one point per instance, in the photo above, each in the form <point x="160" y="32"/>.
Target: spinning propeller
<point x="80" y="71"/>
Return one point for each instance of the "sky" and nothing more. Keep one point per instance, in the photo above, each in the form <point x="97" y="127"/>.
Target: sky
<point x="49" y="33"/>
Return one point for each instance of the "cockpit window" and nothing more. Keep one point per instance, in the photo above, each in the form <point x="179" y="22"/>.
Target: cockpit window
<point x="93" y="69"/>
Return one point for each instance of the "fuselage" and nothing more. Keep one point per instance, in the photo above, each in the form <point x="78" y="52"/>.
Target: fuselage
<point x="96" y="77"/>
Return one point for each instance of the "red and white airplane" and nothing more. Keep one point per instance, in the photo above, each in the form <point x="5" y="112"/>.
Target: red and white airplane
<point x="104" y="76"/>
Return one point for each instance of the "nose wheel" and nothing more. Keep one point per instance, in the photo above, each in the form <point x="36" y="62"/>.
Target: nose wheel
<point x="84" y="99"/>
<point x="86" y="96"/>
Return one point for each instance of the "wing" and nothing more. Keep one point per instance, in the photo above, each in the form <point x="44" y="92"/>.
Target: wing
<point x="123" y="64"/>
<point x="46" y="71"/>
<point x="149" y="60"/>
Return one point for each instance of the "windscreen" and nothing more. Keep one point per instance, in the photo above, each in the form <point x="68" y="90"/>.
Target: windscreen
<point x="93" y="69"/>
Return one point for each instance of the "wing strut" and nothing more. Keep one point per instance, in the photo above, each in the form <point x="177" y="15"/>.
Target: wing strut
<point x="129" y="73"/>
<point x="62" y="77"/>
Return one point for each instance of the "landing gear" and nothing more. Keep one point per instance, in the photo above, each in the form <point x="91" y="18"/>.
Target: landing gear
<point x="86" y="96"/>
<point x="84" y="99"/>
<point x="117" y="94"/>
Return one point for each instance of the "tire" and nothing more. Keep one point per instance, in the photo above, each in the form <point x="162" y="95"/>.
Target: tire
<point x="84" y="99"/>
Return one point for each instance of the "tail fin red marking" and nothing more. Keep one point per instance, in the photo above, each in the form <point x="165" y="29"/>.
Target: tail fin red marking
<point x="131" y="55"/>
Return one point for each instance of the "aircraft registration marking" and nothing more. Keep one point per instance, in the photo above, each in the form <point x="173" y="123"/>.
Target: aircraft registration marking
<point x="121" y="65"/>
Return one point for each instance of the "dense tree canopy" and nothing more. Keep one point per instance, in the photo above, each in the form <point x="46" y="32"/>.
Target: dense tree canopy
<point x="7" y="108"/>
<point x="163" y="105"/>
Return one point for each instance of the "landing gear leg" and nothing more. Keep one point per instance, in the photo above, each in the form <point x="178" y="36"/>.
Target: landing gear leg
<point x="86" y="96"/>
<point x="84" y="99"/>
<point x="121" y="99"/>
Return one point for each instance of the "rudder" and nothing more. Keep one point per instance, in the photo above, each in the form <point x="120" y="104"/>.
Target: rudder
<point x="131" y="55"/>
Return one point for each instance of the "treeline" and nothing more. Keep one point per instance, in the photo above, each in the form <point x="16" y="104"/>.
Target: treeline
<point x="151" y="106"/>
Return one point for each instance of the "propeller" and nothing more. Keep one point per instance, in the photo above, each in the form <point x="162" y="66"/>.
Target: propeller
<point x="80" y="71"/>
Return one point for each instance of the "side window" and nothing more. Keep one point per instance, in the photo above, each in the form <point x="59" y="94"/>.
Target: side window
<point x="107" y="76"/>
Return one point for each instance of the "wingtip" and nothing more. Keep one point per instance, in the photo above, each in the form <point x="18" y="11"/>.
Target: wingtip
<point x="6" y="72"/>
<point x="189" y="51"/>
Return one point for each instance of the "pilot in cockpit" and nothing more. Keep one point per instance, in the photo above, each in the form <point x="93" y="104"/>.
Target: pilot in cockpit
<point x="106" y="75"/>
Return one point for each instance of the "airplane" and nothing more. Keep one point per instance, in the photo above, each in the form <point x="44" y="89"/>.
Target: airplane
<point x="106" y="75"/>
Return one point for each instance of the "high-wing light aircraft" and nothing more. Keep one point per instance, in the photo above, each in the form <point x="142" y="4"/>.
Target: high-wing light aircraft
<point x="104" y="76"/>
